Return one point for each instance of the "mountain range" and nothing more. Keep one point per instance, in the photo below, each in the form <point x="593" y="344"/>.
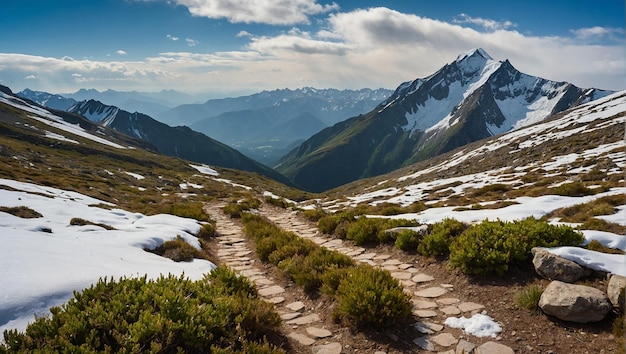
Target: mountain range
<point x="172" y="141"/>
<point x="469" y="99"/>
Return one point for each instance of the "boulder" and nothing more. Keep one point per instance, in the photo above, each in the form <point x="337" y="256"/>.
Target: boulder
<point x="574" y="303"/>
<point x="553" y="267"/>
<point x="615" y="291"/>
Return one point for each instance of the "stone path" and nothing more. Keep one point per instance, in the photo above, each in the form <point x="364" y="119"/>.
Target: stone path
<point x="432" y="301"/>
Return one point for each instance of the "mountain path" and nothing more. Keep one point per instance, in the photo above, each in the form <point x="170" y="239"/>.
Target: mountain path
<point x="433" y="301"/>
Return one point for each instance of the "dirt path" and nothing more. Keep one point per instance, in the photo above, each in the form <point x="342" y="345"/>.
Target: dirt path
<point x="308" y="323"/>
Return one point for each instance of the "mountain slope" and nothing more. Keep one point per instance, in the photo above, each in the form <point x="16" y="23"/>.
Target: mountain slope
<point x="173" y="141"/>
<point x="472" y="98"/>
<point x="48" y="99"/>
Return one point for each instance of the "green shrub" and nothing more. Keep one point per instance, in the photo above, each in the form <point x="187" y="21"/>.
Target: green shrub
<point x="83" y="222"/>
<point x="21" y="212"/>
<point x="440" y="235"/>
<point x="491" y="246"/>
<point x="372" y="297"/>
<point x="279" y="202"/>
<point x="407" y="240"/>
<point x="167" y="315"/>
<point x="193" y="210"/>
<point x="268" y="245"/>
<point x="328" y="223"/>
<point x="307" y="271"/>
<point x="178" y="250"/>
<point x="573" y="189"/>
<point x="234" y="209"/>
<point x="296" y="246"/>
<point x="372" y="230"/>
<point x="207" y="231"/>
<point x="314" y="214"/>
<point x="528" y="297"/>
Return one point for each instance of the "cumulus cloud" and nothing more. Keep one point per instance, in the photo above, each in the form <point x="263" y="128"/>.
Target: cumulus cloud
<point x="191" y="42"/>
<point x="172" y="38"/>
<point x="487" y="24"/>
<point x="375" y="47"/>
<point x="244" y="34"/>
<point x="30" y="77"/>
<point x="273" y="12"/>
<point x="121" y="52"/>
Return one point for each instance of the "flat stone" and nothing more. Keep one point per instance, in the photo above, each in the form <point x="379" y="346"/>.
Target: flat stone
<point x="390" y="268"/>
<point x="330" y="348"/>
<point x="381" y="257"/>
<point x="450" y="310"/>
<point x="412" y="270"/>
<point x="422" y="278"/>
<point x="494" y="348"/>
<point x="464" y="347"/>
<point x="432" y="327"/>
<point x="301" y="338"/>
<point x="404" y="266"/>
<point x="470" y="306"/>
<point x="431" y="292"/>
<point x="444" y="339"/>
<point x="251" y="272"/>
<point x="295" y="306"/>
<point x="271" y="291"/>
<point x="355" y="252"/>
<point x="391" y="262"/>
<point x="290" y="316"/>
<point x="368" y="261"/>
<point x="447" y="300"/>
<point x="424" y="343"/>
<point x="242" y="253"/>
<point x="447" y="286"/>
<point x="276" y="300"/>
<point x="318" y="332"/>
<point x="425" y="313"/>
<point x="242" y="267"/>
<point x="304" y="320"/>
<point x="401" y="275"/>
<point x="366" y="256"/>
<point x="263" y="281"/>
<point x="423" y="304"/>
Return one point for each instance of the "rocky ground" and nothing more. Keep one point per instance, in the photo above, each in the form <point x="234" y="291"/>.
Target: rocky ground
<point x="438" y="292"/>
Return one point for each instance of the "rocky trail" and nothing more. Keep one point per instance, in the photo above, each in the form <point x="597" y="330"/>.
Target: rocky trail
<point x="307" y="322"/>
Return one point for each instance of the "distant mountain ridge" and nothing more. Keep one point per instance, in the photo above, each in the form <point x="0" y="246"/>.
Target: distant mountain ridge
<point x="173" y="141"/>
<point x="469" y="99"/>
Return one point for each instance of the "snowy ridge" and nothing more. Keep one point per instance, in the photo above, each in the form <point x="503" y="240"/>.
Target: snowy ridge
<point x="95" y="111"/>
<point x="44" y="116"/>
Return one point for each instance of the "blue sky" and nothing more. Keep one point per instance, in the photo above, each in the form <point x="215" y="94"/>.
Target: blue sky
<point x="244" y="46"/>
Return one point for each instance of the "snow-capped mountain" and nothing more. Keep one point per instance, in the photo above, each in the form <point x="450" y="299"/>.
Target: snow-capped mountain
<point x="469" y="99"/>
<point x="173" y="141"/>
<point x="48" y="99"/>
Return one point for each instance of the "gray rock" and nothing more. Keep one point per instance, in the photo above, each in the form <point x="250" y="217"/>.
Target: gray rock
<point x="465" y="347"/>
<point x="574" y="303"/>
<point x="553" y="267"/>
<point x="318" y="332"/>
<point x="444" y="339"/>
<point x="301" y="338"/>
<point x="330" y="348"/>
<point x="615" y="291"/>
<point x="494" y="348"/>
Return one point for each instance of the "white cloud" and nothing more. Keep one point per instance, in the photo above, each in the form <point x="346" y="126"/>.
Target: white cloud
<point x="488" y="24"/>
<point x="375" y="47"/>
<point x="191" y="42"/>
<point x="30" y="77"/>
<point x="244" y="34"/>
<point x="273" y="12"/>
<point x="121" y="52"/>
<point x="598" y="33"/>
<point x="172" y="38"/>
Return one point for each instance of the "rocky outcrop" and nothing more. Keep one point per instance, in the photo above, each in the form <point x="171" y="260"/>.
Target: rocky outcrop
<point x="553" y="267"/>
<point x="615" y="291"/>
<point x="574" y="303"/>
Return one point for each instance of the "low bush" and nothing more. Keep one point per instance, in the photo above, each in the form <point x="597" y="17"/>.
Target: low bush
<point x="407" y="240"/>
<point x="167" y="315"/>
<point x="308" y="271"/>
<point x="314" y="214"/>
<point x="178" y="250"/>
<point x="279" y="202"/>
<point x="595" y="245"/>
<point x="372" y="230"/>
<point x="193" y="210"/>
<point x="23" y="212"/>
<point x="603" y="225"/>
<point x="489" y="247"/>
<point x="440" y="235"/>
<point x="372" y="297"/>
<point x="234" y="209"/>
<point x="207" y="231"/>
<point x="83" y="222"/>
<point x="328" y="224"/>
<point x="573" y="189"/>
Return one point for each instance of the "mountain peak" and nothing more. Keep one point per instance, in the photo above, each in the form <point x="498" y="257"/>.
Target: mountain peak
<point x="474" y="53"/>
